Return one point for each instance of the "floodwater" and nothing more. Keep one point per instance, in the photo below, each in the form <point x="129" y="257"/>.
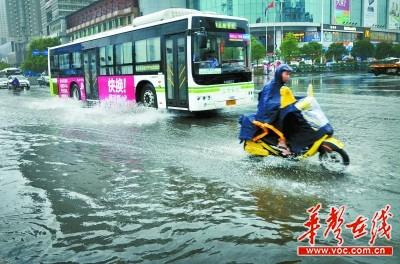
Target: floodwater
<point x="118" y="183"/>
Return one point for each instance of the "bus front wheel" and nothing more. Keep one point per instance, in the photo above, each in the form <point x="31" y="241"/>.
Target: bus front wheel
<point x="148" y="96"/>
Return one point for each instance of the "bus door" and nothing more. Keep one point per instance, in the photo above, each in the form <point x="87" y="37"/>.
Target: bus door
<point x="176" y="71"/>
<point x="90" y="68"/>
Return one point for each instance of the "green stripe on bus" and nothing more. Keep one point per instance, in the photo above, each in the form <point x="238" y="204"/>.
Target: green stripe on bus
<point x="203" y="90"/>
<point x="217" y="88"/>
<point x="210" y="89"/>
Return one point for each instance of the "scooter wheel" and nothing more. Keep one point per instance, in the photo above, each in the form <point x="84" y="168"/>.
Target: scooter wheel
<point x="333" y="158"/>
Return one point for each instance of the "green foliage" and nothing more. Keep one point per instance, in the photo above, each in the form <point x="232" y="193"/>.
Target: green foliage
<point x="336" y="51"/>
<point x="396" y="50"/>
<point x="290" y="47"/>
<point x="312" y="50"/>
<point x="363" y="49"/>
<point x="258" y="51"/>
<point x="3" y="65"/>
<point x="38" y="63"/>
<point x="383" y="50"/>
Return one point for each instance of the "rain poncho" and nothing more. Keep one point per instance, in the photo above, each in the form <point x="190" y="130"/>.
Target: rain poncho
<point x="269" y="98"/>
<point x="268" y="106"/>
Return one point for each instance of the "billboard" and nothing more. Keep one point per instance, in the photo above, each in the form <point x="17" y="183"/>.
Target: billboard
<point x="342" y="11"/>
<point x="394" y="14"/>
<point x="370" y="13"/>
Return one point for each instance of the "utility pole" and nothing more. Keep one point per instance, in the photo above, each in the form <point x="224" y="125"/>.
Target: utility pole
<point x="281" y="20"/>
<point x="322" y="27"/>
<point x="266" y="32"/>
<point x="274" y="30"/>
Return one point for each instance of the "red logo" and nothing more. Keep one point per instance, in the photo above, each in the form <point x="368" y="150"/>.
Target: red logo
<point x="335" y="222"/>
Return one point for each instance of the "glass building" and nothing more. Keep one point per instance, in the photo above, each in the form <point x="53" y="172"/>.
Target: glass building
<point x="335" y="20"/>
<point x="341" y="21"/>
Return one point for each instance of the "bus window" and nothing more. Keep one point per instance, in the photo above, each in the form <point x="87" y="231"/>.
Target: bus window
<point x="148" y="50"/>
<point x="123" y="58"/>
<point x="107" y="60"/>
<point x="77" y="63"/>
<point x="153" y="49"/>
<point x="223" y="52"/>
<point x="140" y="51"/>
<point x="54" y="66"/>
<point x="64" y="61"/>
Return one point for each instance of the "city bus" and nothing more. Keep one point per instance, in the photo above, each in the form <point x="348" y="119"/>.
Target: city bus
<point x="175" y="59"/>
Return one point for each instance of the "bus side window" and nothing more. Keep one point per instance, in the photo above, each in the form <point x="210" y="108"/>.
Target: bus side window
<point x="123" y="58"/>
<point x="77" y="63"/>
<point x="107" y="60"/>
<point x="54" y="66"/>
<point x="65" y="64"/>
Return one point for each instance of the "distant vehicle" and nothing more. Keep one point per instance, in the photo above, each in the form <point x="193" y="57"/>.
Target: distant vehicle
<point x="44" y="80"/>
<point x="348" y="58"/>
<point x="11" y="71"/>
<point x="23" y="81"/>
<point x="3" y="82"/>
<point x="179" y="59"/>
<point x="386" y="66"/>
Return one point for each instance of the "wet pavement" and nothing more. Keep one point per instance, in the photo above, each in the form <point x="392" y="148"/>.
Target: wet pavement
<point x="115" y="184"/>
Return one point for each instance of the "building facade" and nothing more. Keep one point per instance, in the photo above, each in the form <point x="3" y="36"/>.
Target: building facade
<point x="336" y="20"/>
<point x="101" y="16"/>
<point x="23" y="24"/>
<point x="3" y="23"/>
<point x="148" y="7"/>
<point x="325" y="21"/>
<point x="54" y="13"/>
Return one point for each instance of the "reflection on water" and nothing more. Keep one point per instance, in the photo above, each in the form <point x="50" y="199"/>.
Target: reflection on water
<point x="125" y="184"/>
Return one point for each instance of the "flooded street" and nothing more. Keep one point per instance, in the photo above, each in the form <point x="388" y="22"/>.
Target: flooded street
<point x="115" y="184"/>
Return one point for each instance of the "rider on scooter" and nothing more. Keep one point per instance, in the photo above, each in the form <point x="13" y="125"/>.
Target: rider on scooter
<point x="278" y="106"/>
<point x="15" y="83"/>
<point x="269" y="101"/>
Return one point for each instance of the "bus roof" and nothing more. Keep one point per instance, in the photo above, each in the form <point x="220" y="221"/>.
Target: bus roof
<point x="180" y="13"/>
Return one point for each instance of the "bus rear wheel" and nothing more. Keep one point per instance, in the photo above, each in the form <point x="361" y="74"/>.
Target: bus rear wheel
<point x="148" y="96"/>
<point x="75" y="93"/>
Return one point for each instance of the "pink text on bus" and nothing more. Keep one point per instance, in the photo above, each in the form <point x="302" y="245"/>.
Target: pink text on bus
<point x="116" y="87"/>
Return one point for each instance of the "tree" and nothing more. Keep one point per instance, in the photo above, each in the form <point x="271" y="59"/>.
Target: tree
<point x="383" y="50"/>
<point x="363" y="49"/>
<point x="3" y="65"/>
<point x="396" y="50"/>
<point x="312" y="50"/>
<point x="257" y="50"/>
<point x="38" y="63"/>
<point x="290" y="47"/>
<point x="336" y="51"/>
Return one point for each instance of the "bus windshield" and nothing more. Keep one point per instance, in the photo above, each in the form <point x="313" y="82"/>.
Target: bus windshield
<point x="220" y="52"/>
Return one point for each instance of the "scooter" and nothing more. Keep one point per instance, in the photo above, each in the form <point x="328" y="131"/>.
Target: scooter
<point x="332" y="155"/>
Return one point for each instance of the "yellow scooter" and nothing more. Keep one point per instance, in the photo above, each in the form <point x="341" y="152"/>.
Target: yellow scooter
<point x="331" y="150"/>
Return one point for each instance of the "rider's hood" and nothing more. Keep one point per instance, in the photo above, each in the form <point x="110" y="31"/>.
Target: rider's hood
<point x="278" y="73"/>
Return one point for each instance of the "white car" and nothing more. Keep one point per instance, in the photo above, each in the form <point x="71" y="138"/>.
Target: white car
<point x="3" y="82"/>
<point x="23" y="81"/>
<point x="43" y="80"/>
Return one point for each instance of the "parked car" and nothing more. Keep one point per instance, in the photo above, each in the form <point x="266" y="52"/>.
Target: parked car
<point x="43" y="80"/>
<point x="23" y="81"/>
<point x="3" y="82"/>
